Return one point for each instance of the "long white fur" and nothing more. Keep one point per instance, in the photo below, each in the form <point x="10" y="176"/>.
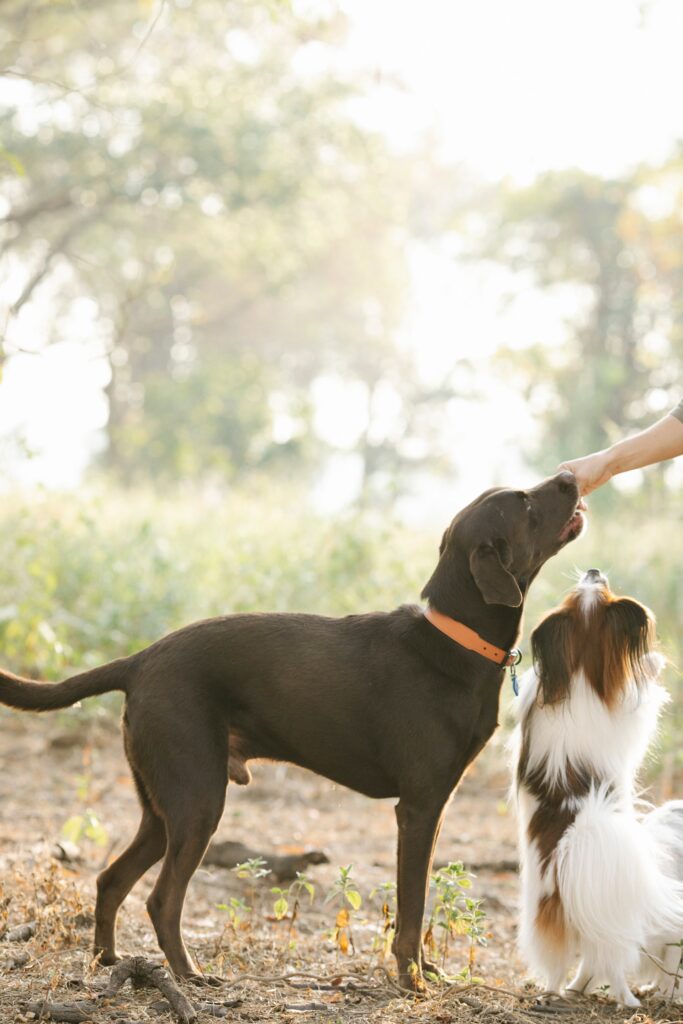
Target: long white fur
<point x="581" y="730"/>
<point x="663" y="967"/>
<point x="613" y="870"/>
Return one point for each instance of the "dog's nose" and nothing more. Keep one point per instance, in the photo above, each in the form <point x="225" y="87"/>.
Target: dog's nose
<point x="593" y="576"/>
<point x="567" y="482"/>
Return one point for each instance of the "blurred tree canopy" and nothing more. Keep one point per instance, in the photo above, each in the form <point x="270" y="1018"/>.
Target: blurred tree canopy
<point x="193" y="179"/>
<point x="612" y="252"/>
<point x="194" y="169"/>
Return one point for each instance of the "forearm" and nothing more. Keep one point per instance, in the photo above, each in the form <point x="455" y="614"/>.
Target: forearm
<point x="663" y="440"/>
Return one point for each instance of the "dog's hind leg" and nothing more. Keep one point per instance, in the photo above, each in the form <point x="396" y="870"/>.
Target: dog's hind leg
<point x="190" y="776"/>
<point x="188" y="839"/>
<point x="602" y="966"/>
<point x="620" y="991"/>
<point x="116" y="881"/>
<point x="582" y="979"/>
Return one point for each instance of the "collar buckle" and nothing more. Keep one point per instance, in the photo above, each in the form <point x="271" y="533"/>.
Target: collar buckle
<point x="514" y="656"/>
<point x="512" y="661"/>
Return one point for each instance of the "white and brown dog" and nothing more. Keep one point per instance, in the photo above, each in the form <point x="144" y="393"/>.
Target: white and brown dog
<point x="598" y="879"/>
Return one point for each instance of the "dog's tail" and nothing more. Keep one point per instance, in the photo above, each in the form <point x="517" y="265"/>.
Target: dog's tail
<point x="614" y="882"/>
<point x="27" y="695"/>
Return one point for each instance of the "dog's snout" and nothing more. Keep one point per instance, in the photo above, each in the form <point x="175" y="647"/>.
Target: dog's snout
<point x="566" y="481"/>
<point x="593" y="576"/>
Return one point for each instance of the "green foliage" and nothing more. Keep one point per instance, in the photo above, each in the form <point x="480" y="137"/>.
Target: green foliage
<point x="87" y="578"/>
<point x="85" y="826"/>
<point x="344" y="890"/>
<point x="456" y="914"/>
<point x="199" y="180"/>
<point x="600" y="249"/>
<point x="209" y="421"/>
<point x="281" y="904"/>
<point x="237" y="911"/>
<point x="292" y="895"/>
<point x="345" y="894"/>
<point x="386" y="927"/>
<point x="252" y="869"/>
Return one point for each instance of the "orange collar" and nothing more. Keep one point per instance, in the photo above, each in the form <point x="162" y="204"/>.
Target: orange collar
<point x="467" y="637"/>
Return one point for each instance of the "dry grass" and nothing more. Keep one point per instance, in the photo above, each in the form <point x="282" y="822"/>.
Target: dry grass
<point x="40" y="783"/>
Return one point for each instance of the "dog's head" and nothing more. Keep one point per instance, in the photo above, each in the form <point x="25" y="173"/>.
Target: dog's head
<point x="501" y="540"/>
<point x="608" y="639"/>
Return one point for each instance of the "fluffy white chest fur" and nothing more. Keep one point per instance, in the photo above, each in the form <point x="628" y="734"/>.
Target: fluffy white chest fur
<point x="598" y="880"/>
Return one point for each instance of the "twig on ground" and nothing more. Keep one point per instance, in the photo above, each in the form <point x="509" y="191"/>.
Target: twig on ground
<point x="136" y="968"/>
<point x="289" y="979"/>
<point x="306" y="1007"/>
<point x="69" y="1013"/>
<point x="520" y="996"/>
<point x="219" y="1009"/>
<point x="381" y="969"/>
<point x="658" y="963"/>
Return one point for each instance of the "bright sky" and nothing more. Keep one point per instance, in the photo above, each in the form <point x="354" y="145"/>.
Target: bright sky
<point x="510" y="89"/>
<point x="516" y="88"/>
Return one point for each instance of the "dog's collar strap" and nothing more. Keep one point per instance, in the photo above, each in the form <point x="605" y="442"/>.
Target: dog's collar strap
<point x="467" y="637"/>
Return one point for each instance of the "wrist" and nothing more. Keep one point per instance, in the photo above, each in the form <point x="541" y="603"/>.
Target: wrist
<point x="615" y="461"/>
<point x="626" y="454"/>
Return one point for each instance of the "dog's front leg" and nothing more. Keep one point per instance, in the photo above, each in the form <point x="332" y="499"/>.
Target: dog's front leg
<point x="418" y="825"/>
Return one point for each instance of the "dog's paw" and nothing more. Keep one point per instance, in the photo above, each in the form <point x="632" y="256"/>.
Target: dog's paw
<point x="108" y="959"/>
<point x="573" y="995"/>
<point x="411" y="980"/>
<point x="627" y="998"/>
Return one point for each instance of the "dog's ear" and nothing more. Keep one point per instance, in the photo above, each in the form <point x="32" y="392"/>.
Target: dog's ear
<point x="554" y="656"/>
<point x="629" y="636"/>
<point x="496" y="583"/>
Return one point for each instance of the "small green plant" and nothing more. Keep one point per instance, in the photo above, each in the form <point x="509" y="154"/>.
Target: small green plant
<point x="345" y="894"/>
<point x="85" y="826"/>
<point x="253" y="869"/>
<point x="237" y="911"/>
<point x="474" y="919"/>
<point x="281" y="904"/>
<point x="386" y="930"/>
<point x="456" y="914"/>
<point x="293" y="893"/>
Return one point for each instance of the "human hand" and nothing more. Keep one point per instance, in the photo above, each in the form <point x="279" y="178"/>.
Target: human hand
<point x="591" y="471"/>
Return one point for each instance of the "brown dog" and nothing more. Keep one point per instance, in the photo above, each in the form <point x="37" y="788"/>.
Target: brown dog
<point x="384" y="703"/>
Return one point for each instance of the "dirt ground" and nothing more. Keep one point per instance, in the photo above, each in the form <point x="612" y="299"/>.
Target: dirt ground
<point x="55" y="767"/>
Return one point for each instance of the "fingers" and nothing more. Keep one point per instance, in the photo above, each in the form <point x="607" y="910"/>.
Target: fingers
<point x="590" y="472"/>
<point x="583" y="484"/>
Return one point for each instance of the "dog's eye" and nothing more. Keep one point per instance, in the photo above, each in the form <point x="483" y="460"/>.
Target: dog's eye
<point x="531" y="511"/>
<point x="528" y="507"/>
